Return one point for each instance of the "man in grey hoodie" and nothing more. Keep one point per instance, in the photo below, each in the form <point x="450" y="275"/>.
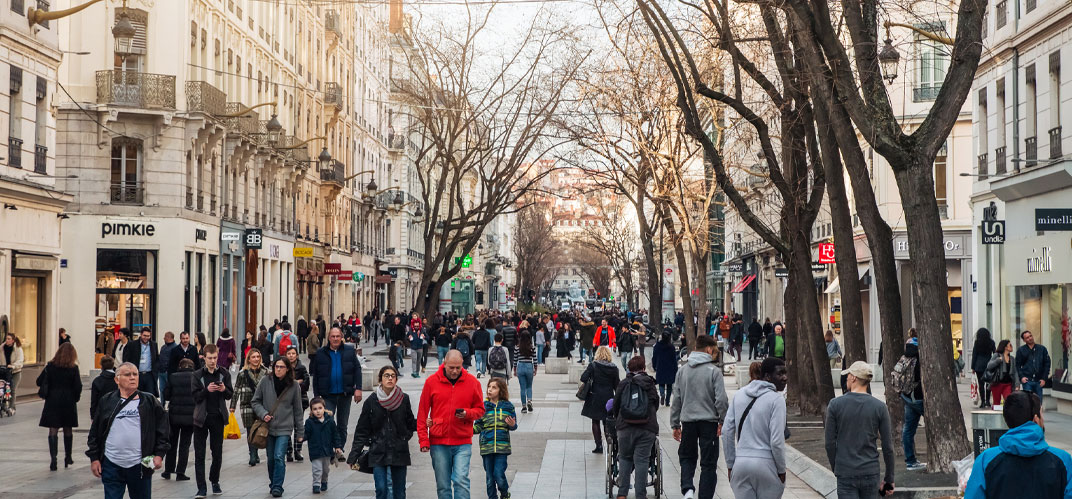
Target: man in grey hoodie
<point x="754" y="435"/>
<point x="696" y="415"/>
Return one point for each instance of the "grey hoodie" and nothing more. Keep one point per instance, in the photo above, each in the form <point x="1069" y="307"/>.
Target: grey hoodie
<point x="706" y="400"/>
<point x="763" y="434"/>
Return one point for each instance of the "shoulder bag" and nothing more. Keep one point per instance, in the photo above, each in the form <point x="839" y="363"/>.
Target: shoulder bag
<point x="42" y="383"/>
<point x="258" y="432"/>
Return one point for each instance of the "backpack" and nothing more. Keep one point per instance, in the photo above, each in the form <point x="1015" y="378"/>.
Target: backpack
<point x="903" y="378"/>
<point x="634" y="405"/>
<point x="284" y="344"/>
<point x="497" y="358"/>
<point x="463" y="346"/>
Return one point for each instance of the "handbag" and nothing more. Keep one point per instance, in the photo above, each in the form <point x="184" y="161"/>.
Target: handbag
<point x="42" y="384"/>
<point x="258" y="431"/>
<point x="584" y="389"/>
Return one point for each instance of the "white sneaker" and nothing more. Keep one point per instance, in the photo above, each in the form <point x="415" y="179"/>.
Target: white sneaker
<point x="689" y="494"/>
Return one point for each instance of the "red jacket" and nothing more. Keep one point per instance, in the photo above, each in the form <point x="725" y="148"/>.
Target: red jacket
<point x="442" y="398"/>
<point x="610" y="337"/>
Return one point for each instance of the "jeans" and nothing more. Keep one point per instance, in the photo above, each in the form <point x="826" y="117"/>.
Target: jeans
<point x="277" y="463"/>
<point x="339" y="405"/>
<point x="625" y="360"/>
<point x="634" y="454"/>
<point x="415" y="359"/>
<point x="1033" y="387"/>
<point x="753" y="348"/>
<point x="451" y="466"/>
<point x="525" y="374"/>
<point x="495" y="470"/>
<point x="587" y="351"/>
<point x="481" y="360"/>
<point x="913" y="410"/>
<point x="705" y="434"/>
<point x="180" y="445"/>
<point x="858" y="487"/>
<point x="390" y="482"/>
<point x="136" y="480"/>
<point x="213" y="432"/>
<point x="665" y="391"/>
<point x="539" y="353"/>
<point x="442" y="352"/>
<point x="161" y="380"/>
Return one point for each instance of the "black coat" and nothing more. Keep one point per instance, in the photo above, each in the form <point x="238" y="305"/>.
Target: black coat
<point x="64" y="390"/>
<point x="664" y="361"/>
<point x="179" y="393"/>
<point x="648" y="385"/>
<point x="101" y="386"/>
<point x="201" y="378"/>
<point x="385" y="433"/>
<point x="605" y="379"/>
<point x="755" y="331"/>
<point x="320" y="368"/>
<point x="177" y="354"/>
<point x="154" y="426"/>
<point x="132" y="354"/>
<point x="303" y="329"/>
<point x="982" y="351"/>
<point x="301" y="375"/>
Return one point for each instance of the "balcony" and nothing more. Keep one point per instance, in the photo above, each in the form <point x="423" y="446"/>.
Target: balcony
<point x="1055" y="142"/>
<point x="136" y="89"/>
<point x="332" y="27"/>
<point x="246" y="124"/>
<point x="925" y="93"/>
<point x="1031" y="151"/>
<point x="40" y="158"/>
<point x="982" y="167"/>
<point x="14" y="152"/>
<point x="335" y="173"/>
<point x="396" y="142"/>
<point x="127" y="193"/>
<point x="999" y="161"/>
<point x="333" y="95"/>
<point x="202" y="97"/>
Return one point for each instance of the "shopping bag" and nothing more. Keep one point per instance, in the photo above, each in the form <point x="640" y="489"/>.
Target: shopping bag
<point x="231" y="431"/>
<point x="975" y="388"/>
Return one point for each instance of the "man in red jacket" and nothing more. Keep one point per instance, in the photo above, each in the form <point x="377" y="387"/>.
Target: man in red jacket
<point x="604" y="337"/>
<point x="450" y="401"/>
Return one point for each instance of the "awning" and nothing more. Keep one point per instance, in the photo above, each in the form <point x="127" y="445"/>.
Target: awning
<point x="834" y="287"/>
<point x="744" y="283"/>
<point x="863" y="269"/>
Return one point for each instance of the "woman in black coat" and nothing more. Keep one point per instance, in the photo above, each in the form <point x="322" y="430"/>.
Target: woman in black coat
<point x="60" y="384"/>
<point x="982" y="351"/>
<point x="664" y="361"/>
<point x="301" y="376"/>
<point x="605" y="378"/>
<point x="385" y="426"/>
<point x="179" y="394"/>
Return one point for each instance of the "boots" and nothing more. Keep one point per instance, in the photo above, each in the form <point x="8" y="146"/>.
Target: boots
<point x="53" y="448"/>
<point x="253" y="457"/>
<point x="297" y="452"/>
<point x="290" y="454"/>
<point x="67" y="461"/>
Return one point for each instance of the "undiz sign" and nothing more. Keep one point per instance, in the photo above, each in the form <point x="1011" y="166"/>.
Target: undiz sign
<point x="127" y="229"/>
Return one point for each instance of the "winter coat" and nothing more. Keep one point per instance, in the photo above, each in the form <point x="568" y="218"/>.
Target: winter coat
<point x="981" y="353"/>
<point x="664" y="361"/>
<point x="588" y="332"/>
<point x="179" y="393"/>
<point x="439" y="399"/>
<point x="201" y="394"/>
<point x="177" y="354"/>
<point x="386" y="434"/>
<point x="482" y="339"/>
<point x="322" y="437"/>
<point x="227" y="349"/>
<point x="997" y="368"/>
<point x="648" y="385"/>
<point x="287" y="416"/>
<point x="320" y="369"/>
<point x="509" y="336"/>
<point x="64" y="391"/>
<point x="755" y="331"/>
<point x="598" y="336"/>
<point x="301" y="376"/>
<point x="154" y="425"/>
<point x="132" y="354"/>
<point x="1022" y="465"/>
<point x="492" y="428"/>
<point x="605" y="379"/>
<point x="101" y="386"/>
<point x="1033" y="363"/>
<point x="763" y="433"/>
<point x="312" y="345"/>
<point x="245" y="385"/>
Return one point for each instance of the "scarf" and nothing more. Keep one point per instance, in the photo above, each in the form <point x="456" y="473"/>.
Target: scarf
<point x="389" y="402"/>
<point x="280" y="385"/>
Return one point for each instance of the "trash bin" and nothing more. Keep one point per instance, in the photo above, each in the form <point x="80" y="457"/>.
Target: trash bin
<point x="987" y="427"/>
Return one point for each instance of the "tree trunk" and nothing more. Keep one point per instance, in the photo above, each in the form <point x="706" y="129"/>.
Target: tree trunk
<point x="808" y="325"/>
<point x="683" y="288"/>
<point x="700" y="271"/>
<point x="946" y="435"/>
<point x="647" y="245"/>
<point x="801" y="386"/>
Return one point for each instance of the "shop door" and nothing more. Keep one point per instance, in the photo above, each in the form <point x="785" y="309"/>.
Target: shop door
<point x="461" y="297"/>
<point x="27" y="315"/>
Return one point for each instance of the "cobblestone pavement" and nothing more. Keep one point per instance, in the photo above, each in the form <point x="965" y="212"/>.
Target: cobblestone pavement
<point x="551" y="456"/>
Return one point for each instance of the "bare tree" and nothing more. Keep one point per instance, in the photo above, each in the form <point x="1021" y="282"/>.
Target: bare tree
<point x="615" y="238"/>
<point x="595" y="267"/>
<point x="534" y="247"/>
<point x="481" y="125"/>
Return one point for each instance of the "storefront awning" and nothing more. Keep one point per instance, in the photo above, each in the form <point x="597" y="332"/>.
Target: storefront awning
<point x="744" y="283"/>
<point x="863" y="269"/>
<point x="834" y="287"/>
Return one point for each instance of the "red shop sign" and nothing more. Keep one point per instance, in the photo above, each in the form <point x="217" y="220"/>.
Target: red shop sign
<point x="826" y="253"/>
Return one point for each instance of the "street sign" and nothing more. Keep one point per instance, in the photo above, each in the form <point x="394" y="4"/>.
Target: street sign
<point x="826" y="252"/>
<point x="332" y="268"/>
<point x="669" y="271"/>
<point x="230" y="236"/>
<point x="993" y="232"/>
<point x="303" y="252"/>
<point x="359" y="276"/>
<point x="345" y="276"/>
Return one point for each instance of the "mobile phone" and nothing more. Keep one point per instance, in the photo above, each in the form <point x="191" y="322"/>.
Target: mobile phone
<point x="459" y="413"/>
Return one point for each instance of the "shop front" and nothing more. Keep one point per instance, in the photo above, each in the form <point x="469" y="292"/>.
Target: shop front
<point x="232" y="278"/>
<point x="309" y="260"/>
<point x="275" y="279"/>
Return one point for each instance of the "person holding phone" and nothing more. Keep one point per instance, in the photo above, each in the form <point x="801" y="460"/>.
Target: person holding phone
<point x="211" y="389"/>
<point x="450" y="402"/>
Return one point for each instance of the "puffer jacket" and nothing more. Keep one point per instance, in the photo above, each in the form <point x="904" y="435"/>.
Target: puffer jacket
<point x="385" y="433"/>
<point x="492" y="428"/>
<point x="179" y="393"/>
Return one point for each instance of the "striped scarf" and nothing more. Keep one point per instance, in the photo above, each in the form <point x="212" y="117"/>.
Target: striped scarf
<point x="389" y="402"/>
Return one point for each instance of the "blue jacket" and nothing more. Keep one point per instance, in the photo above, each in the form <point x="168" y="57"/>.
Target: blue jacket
<point x="664" y="361"/>
<point x="1022" y="465"/>
<point x="320" y="369"/>
<point x="323" y="437"/>
<point x="1033" y="363"/>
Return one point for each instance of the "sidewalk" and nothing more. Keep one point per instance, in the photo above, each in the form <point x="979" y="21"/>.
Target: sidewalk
<point x="551" y="456"/>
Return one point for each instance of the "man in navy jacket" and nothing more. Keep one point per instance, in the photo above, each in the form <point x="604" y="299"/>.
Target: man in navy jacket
<point x="336" y="376"/>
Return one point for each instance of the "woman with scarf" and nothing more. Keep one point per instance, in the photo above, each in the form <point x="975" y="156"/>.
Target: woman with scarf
<point x="245" y="384"/>
<point x="277" y="402"/>
<point x="385" y="427"/>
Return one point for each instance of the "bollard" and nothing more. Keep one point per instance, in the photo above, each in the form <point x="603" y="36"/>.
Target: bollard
<point x="575" y="372"/>
<point x="987" y="427"/>
<point x="556" y="365"/>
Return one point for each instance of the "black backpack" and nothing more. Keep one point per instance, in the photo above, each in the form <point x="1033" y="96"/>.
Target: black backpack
<point x="497" y="358"/>
<point x="633" y="408"/>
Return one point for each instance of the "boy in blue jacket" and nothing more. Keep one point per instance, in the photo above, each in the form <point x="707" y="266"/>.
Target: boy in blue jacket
<point x="324" y="441"/>
<point x="1023" y="464"/>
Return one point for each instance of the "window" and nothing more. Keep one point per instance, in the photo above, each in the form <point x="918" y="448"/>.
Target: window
<point x="140" y="19"/>
<point x="126" y="187"/>
<point x="940" y="167"/>
<point x="1031" y="122"/>
<point x="14" y="135"/>
<point x="932" y="62"/>
<point x="982" y="132"/>
<point x="41" y="127"/>
<point x="1055" y="105"/>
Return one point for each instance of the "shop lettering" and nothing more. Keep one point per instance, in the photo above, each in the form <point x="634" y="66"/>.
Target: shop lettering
<point x="1041" y="263"/>
<point x="127" y="229"/>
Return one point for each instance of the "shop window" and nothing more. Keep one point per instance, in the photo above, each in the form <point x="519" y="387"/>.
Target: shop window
<point x="27" y="318"/>
<point x="126" y="292"/>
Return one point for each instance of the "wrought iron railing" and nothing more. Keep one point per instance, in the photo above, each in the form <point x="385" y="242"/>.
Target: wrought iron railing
<point x="1055" y="142"/>
<point x="924" y="93"/>
<point x="1031" y="151"/>
<point x="332" y="23"/>
<point x="246" y="124"/>
<point x="332" y="94"/>
<point x="999" y="161"/>
<point x="396" y="141"/>
<point x="14" y="152"/>
<point x="136" y="89"/>
<point x="201" y="96"/>
<point x="40" y="158"/>
<point x="336" y="173"/>
<point x="982" y="167"/>
<point x="127" y="193"/>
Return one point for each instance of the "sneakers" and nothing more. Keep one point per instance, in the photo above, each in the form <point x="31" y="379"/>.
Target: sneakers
<point x="277" y="492"/>
<point x="181" y="478"/>
<point x="530" y="406"/>
<point x="479" y="375"/>
<point x="916" y="466"/>
<point x="598" y="450"/>
<point x="165" y="475"/>
<point x="200" y="494"/>
<point x="524" y="409"/>
<point x="316" y="489"/>
<point x="216" y="490"/>
<point x="323" y="486"/>
<point x="689" y="494"/>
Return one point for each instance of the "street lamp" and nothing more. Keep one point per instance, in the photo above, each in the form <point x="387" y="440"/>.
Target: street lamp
<point x="275" y="130"/>
<point x="889" y="58"/>
<point x="37" y="16"/>
<point x="399" y="198"/>
<point x="371" y="187"/>
<point x="124" y="32"/>
<point x="324" y="159"/>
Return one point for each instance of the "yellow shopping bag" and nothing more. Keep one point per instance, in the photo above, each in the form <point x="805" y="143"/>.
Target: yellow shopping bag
<point x="231" y="431"/>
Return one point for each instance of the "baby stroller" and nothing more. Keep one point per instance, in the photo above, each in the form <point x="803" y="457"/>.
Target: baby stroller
<point x="655" y="465"/>
<point x="7" y="391"/>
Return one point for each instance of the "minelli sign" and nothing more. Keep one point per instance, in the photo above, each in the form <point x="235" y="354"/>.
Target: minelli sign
<point x="127" y="229"/>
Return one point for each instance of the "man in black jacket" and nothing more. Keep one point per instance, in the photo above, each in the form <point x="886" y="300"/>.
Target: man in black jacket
<point x="131" y="415"/>
<point x="211" y="389"/>
<point x="184" y="350"/>
<point x="755" y="332"/>
<point x="145" y="356"/>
